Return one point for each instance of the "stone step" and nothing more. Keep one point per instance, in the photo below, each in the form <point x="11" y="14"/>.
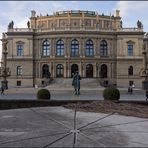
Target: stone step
<point x="67" y="83"/>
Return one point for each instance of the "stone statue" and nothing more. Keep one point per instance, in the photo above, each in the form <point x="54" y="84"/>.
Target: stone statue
<point x="121" y="24"/>
<point x="139" y="24"/>
<point x="76" y="83"/>
<point x="28" y="24"/>
<point x="11" y="24"/>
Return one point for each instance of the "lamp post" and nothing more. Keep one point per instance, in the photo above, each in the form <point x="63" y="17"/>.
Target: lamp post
<point x="4" y="70"/>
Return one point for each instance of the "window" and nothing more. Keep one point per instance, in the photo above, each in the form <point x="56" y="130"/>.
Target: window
<point x="19" y="70"/>
<point x="103" y="48"/>
<point x="74" y="48"/>
<point x="60" y="70"/>
<point x="89" y="48"/>
<point x="46" y="48"/>
<point x="19" y="50"/>
<point x="130" y="71"/>
<point x="18" y="83"/>
<point x="130" y="50"/>
<point x="60" y="48"/>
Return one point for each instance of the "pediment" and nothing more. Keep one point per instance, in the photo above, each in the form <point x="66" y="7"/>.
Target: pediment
<point x="130" y="42"/>
<point x="20" y="42"/>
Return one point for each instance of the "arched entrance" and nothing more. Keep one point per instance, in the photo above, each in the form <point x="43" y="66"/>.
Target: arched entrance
<point x="45" y="71"/>
<point x="59" y="71"/>
<point x="89" y="71"/>
<point x="103" y="71"/>
<point x="74" y="68"/>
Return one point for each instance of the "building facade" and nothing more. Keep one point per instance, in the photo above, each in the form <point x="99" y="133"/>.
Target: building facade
<point x="94" y="44"/>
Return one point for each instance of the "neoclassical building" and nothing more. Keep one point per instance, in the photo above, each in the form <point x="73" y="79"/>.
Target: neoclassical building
<point x="94" y="44"/>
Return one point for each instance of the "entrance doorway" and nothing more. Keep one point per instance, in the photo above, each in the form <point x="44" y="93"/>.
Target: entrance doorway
<point x="74" y="68"/>
<point x="103" y="71"/>
<point x="89" y="71"/>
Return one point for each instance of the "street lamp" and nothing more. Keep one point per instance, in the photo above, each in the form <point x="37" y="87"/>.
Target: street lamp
<point x="4" y="70"/>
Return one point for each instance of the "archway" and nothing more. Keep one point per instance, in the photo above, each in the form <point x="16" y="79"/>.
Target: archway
<point x="74" y="68"/>
<point x="89" y="71"/>
<point x="45" y="71"/>
<point x="103" y="71"/>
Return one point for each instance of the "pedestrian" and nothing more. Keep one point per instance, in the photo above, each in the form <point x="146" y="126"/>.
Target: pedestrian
<point x="146" y="94"/>
<point x="76" y="83"/>
<point x="2" y="90"/>
<point x="130" y="89"/>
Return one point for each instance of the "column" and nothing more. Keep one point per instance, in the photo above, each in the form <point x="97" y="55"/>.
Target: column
<point x="39" y="70"/>
<point x="94" y="70"/>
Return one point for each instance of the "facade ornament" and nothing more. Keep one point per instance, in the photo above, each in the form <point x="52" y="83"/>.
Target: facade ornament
<point x="121" y="24"/>
<point x="28" y="24"/>
<point x="139" y="24"/>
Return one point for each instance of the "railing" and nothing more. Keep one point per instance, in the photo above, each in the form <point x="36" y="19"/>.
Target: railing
<point x="20" y="30"/>
<point x="75" y="29"/>
<point x="130" y="29"/>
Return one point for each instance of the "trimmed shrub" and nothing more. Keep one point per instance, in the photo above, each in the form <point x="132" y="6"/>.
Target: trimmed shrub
<point x="111" y="93"/>
<point x="43" y="94"/>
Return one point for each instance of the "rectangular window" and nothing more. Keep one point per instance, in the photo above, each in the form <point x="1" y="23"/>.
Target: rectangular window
<point x="18" y="83"/>
<point x="130" y="50"/>
<point x="19" y="50"/>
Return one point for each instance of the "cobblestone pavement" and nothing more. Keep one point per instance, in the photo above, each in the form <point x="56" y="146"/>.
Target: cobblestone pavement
<point x="54" y="127"/>
<point x="68" y="94"/>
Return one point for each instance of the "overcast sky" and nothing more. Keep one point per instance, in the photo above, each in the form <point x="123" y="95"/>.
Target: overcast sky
<point x="20" y="11"/>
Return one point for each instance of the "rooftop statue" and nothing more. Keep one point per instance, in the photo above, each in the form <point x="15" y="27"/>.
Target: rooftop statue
<point x="139" y="24"/>
<point x="11" y="24"/>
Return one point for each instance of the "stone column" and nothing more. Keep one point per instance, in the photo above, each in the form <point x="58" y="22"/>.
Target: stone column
<point x="94" y="70"/>
<point x="53" y="47"/>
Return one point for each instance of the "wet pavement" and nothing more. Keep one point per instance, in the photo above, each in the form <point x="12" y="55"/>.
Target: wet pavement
<point x="54" y="127"/>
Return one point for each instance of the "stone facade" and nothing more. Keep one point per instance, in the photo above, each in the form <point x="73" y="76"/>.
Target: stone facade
<point x="95" y="45"/>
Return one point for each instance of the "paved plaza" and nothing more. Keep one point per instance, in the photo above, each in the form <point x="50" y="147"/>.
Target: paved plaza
<point x="68" y="94"/>
<point x="53" y="127"/>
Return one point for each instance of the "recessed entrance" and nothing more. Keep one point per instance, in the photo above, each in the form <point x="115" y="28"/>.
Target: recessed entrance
<point x="74" y="68"/>
<point x="103" y="71"/>
<point x="89" y="71"/>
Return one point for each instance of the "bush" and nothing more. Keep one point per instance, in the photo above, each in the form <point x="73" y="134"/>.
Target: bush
<point x="43" y="94"/>
<point x="111" y="93"/>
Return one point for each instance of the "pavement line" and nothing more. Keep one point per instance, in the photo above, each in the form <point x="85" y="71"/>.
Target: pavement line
<point x="95" y="121"/>
<point x="92" y="140"/>
<point x="36" y="137"/>
<point x="41" y="115"/>
<point x="115" y="124"/>
<point x="57" y="140"/>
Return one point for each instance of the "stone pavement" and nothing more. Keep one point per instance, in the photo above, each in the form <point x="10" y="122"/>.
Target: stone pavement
<point x="53" y="127"/>
<point x="68" y="94"/>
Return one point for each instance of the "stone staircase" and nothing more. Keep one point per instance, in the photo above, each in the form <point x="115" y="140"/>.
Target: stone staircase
<point x="66" y="84"/>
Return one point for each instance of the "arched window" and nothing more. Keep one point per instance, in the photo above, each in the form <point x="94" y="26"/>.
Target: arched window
<point x="103" y="48"/>
<point x="74" y="48"/>
<point x="46" y="48"/>
<point x="130" y="71"/>
<point x="45" y="71"/>
<point x="60" y="48"/>
<point x="89" y="48"/>
<point x="19" y="70"/>
<point x="60" y="70"/>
